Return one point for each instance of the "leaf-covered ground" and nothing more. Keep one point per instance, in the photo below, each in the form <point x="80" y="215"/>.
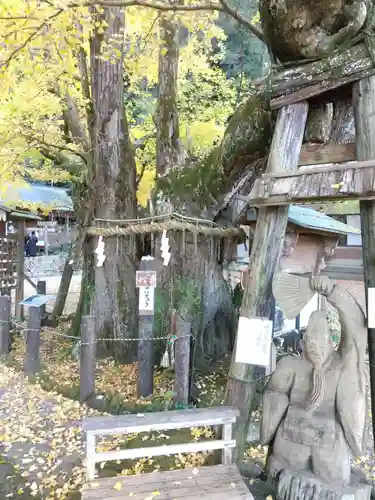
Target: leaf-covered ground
<point x="41" y="445"/>
<point x="40" y="434"/>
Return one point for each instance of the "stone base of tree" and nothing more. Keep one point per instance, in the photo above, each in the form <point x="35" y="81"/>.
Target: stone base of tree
<point x="291" y="485"/>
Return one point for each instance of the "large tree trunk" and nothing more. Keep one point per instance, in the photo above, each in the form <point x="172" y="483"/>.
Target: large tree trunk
<point x="169" y="150"/>
<point x="111" y="287"/>
<point x="194" y="276"/>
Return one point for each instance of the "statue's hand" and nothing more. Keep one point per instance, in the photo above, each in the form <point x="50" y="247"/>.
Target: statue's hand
<point x="322" y="285"/>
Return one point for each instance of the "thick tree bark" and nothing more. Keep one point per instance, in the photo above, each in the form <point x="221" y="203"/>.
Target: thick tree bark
<point x="194" y="265"/>
<point x="113" y="298"/>
<point x="169" y="151"/>
<point x="265" y="253"/>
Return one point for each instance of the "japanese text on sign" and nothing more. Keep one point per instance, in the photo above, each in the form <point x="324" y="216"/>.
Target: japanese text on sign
<point x="146" y="299"/>
<point x="254" y="341"/>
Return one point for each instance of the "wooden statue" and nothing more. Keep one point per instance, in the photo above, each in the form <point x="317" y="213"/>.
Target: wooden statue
<point x="314" y="407"/>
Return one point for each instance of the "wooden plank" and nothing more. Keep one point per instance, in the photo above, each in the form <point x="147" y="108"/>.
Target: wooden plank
<point x="364" y="115"/>
<point x="153" y="478"/>
<point x="217" y="482"/>
<point x="324" y="169"/>
<point x="315" y="154"/>
<point x="178" y="419"/>
<point x="227" y="454"/>
<point x="159" y="451"/>
<point x="312" y="186"/>
<point x="317" y="89"/>
<point x="266" y="250"/>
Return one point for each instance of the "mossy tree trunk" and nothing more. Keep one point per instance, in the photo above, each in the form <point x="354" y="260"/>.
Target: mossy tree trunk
<point x="194" y="276"/>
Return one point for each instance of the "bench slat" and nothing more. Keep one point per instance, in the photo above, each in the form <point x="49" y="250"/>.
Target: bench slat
<point x="157" y="451"/>
<point x="177" y="419"/>
<point x="215" y="483"/>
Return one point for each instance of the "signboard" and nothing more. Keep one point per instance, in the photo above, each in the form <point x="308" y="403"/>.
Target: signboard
<point x="254" y="341"/>
<point x="371" y="307"/>
<point x="146" y="300"/>
<point x="37" y="300"/>
<point x="145" y="279"/>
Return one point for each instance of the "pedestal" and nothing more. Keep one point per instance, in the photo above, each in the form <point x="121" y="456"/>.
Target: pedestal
<point x="291" y="485"/>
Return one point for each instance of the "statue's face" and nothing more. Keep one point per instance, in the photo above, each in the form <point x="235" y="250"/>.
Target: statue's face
<point x="318" y="346"/>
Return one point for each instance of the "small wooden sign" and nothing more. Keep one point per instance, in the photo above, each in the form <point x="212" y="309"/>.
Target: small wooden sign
<point x="145" y="279"/>
<point x="254" y="339"/>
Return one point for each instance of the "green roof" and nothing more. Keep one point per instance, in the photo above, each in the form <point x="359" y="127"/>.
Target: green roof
<point x="39" y="196"/>
<point x="318" y="221"/>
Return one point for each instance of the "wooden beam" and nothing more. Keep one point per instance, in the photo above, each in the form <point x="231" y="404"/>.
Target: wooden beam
<point x="334" y="183"/>
<point x="315" y="154"/>
<point x="317" y="89"/>
<point x="364" y="114"/>
<point x="266" y="250"/>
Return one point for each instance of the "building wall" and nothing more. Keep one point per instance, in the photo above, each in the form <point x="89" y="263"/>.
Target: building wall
<point x="354" y="220"/>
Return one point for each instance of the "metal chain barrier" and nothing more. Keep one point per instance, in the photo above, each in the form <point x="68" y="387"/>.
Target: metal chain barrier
<point x="169" y="338"/>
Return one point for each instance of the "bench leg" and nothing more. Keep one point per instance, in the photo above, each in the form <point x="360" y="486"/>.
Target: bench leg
<point x="90" y="456"/>
<point x="227" y="452"/>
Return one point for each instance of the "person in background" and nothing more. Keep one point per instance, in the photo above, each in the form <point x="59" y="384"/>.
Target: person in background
<point x="27" y="237"/>
<point x="31" y="246"/>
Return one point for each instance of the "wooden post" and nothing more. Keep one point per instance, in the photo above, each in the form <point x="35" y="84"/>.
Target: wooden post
<point x="46" y="240"/>
<point x="265" y="253"/>
<point x="20" y="269"/>
<point x="182" y="360"/>
<point x="32" y="361"/>
<point x="5" y="312"/>
<point x="364" y="114"/>
<point x="41" y="288"/>
<point x="87" y="358"/>
<point x="146" y="330"/>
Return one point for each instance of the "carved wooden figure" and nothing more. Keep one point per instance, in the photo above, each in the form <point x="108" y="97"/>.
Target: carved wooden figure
<point x="314" y="407"/>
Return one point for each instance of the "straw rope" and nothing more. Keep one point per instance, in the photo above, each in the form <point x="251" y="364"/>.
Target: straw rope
<point x="158" y="227"/>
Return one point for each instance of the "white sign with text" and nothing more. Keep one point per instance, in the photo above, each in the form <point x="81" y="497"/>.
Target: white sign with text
<point x="254" y="339"/>
<point x="146" y="299"/>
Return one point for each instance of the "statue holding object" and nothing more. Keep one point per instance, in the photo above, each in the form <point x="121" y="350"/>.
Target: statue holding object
<point x="315" y="407"/>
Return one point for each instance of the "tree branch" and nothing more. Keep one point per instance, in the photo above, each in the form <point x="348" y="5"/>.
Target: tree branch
<point x="242" y="20"/>
<point x="140" y="175"/>
<point x="33" y="35"/>
<point x="49" y="145"/>
<point x="223" y="6"/>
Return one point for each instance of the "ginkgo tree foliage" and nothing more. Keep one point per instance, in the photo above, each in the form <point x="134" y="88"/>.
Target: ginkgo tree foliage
<point x="31" y="120"/>
<point x="67" y="69"/>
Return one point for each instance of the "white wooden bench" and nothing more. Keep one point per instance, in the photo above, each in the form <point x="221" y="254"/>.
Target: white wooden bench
<point x="220" y="482"/>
